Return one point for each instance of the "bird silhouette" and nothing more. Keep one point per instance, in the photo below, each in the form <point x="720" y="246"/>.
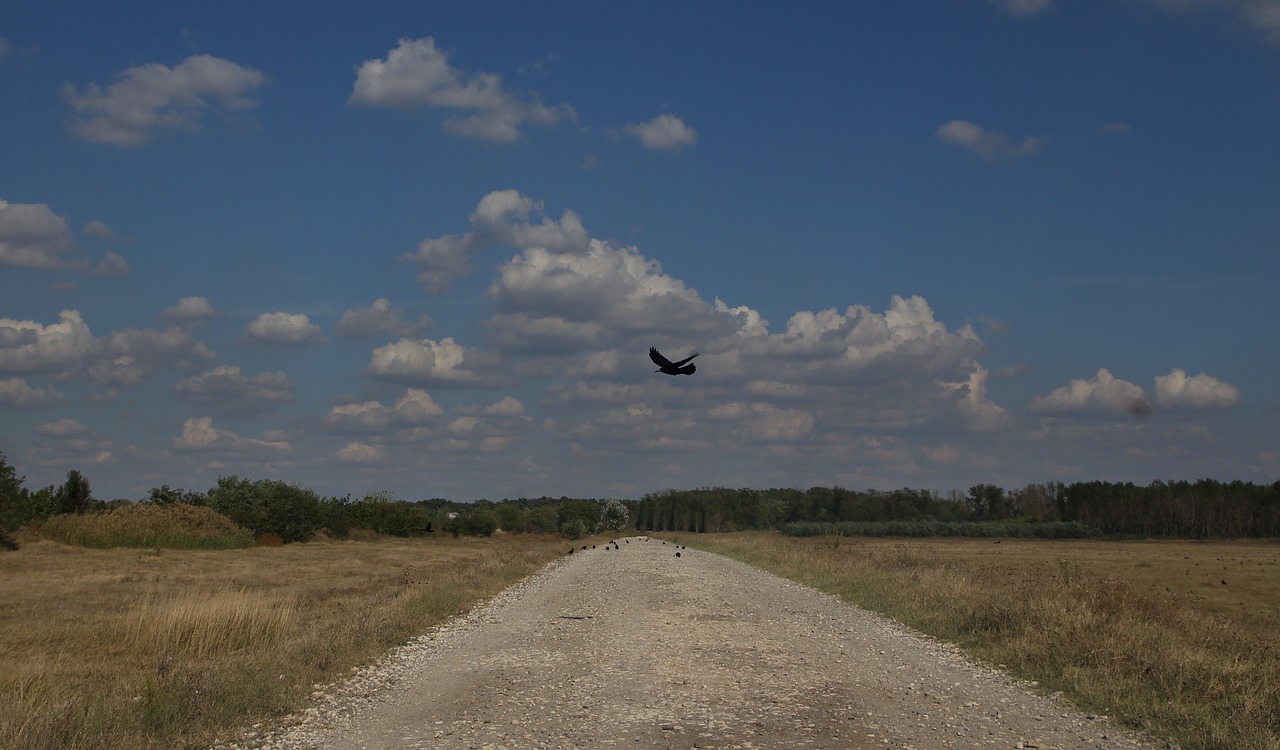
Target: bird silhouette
<point x="668" y="367"/>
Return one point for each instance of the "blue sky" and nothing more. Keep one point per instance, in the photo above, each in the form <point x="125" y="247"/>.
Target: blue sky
<point x="425" y="250"/>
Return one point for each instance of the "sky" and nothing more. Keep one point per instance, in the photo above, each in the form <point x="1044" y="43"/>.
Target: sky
<point x="424" y="248"/>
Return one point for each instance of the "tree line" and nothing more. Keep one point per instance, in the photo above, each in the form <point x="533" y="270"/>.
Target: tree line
<point x="1201" y="509"/>
<point x="1178" y="509"/>
<point x="291" y="512"/>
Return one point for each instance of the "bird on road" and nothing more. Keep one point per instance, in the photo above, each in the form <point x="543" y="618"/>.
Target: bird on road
<point x="668" y="367"/>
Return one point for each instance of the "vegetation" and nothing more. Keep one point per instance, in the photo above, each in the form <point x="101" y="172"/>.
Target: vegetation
<point x="109" y="649"/>
<point x="177" y="526"/>
<point x="1191" y="510"/>
<point x="1144" y="631"/>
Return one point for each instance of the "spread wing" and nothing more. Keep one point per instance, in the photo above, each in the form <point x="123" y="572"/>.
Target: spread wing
<point x="657" y="358"/>
<point x="685" y="361"/>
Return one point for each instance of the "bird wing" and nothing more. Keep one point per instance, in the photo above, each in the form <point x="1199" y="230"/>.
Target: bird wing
<point x="685" y="361"/>
<point x="657" y="358"/>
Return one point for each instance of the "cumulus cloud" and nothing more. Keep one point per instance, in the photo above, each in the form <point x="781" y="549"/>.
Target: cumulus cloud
<point x="154" y="97"/>
<point x="292" y="329"/>
<point x="429" y="362"/>
<point x="362" y="453"/>
<point x="1101" y="395"/>
<point x="418" y="74"/>
<point x="199" y="434"/>
<point x="988" y="144"/>
<point x="1177" y="391"/>
<point x="502" y="217"/>
<point x="33" y="236"/>
<point x="189" y="311"/>
<point x="70" y="348"/>
<point x="981" y="414"/>
<point x="414" y="408"/>
<point x="16" y="393"/>
<point x="227" y="389"/>
<point x="664" y="133"/>
<point x="380" y="319"/>
<point x="99" y="230"/>
<point x="56" y="347"/>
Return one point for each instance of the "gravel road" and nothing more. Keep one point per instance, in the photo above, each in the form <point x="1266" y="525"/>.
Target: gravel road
<point x="637" y="648"/>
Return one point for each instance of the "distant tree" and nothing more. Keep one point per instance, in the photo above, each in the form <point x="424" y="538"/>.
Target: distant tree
<point x="614" y="516"/>
<point x="480" y="523"/>
<point x="74" y="496"/>
<point x="166" y="495"/>
<point x="573" y="528"/>
<point x="511" y="517"/>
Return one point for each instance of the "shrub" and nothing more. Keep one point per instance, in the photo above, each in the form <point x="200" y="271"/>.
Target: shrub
<point x="172" y="526"/>
<point x="269" y="506"/>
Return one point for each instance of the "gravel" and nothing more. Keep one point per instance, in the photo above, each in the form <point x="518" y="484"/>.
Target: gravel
<point x="638" y="648"/>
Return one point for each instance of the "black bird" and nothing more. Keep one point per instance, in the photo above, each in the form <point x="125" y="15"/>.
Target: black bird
<point x="668" y="367"/>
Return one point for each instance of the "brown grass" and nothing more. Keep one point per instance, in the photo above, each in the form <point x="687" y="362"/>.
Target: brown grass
<point x="127" y="648"/>
<point x="1144" y="631"/>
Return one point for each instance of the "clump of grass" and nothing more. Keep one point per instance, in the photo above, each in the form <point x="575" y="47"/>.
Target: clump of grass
<point x="177" y="526"/>
<point x="196" y="624"/>
<point x="1162" y="663"/>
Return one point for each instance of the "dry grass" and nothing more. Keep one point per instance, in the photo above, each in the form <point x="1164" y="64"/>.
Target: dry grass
<point x="1144" y="631"/>
<point x="122" y="648"/>
<point x="176" y="526"/>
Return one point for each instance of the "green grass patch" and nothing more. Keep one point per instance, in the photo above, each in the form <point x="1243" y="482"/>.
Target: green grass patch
<point x="148" y="526"/>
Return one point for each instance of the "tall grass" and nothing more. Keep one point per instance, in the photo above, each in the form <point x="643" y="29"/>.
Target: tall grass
<point x="1203" y="677"/>
<point x="107" y="649"/>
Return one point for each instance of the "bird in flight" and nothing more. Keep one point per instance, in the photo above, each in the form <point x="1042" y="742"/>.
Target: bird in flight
<point x="671" y="368"/>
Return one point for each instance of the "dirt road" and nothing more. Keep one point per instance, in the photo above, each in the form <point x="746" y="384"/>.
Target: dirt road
<point x="637" y="648"/>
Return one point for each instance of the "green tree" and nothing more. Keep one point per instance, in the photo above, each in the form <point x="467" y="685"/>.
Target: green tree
<point x="614" y="516"/>
<point x="74" y="496"/>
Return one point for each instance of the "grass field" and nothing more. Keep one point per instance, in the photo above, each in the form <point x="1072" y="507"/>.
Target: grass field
<point x="1178" y="639"/>
<point x="129" y="648"/>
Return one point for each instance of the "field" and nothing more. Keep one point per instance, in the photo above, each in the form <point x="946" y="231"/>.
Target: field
<point x="164" y="648"/>
<point x="161" y="648"/>
<point x="1178" y="639"/>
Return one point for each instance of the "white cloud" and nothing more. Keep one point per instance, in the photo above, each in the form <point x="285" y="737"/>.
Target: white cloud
<point x="38" y="348"/>
<point x="418" y="74"/>
<point x="228" y="389"/>
<point x="1261" y="15"/>
<point x="501" y="218"/>
<point x="981" y="414"/>
<point x="282" y="328"/>
<point x="1177" y="391"/>
<point x="664" y="133"/>
<point x="189" y="310"/>
<point x="199" y="434"/>
<point x="429" y="362"/>
<point x="120" y="358"/>
<point x="63" y="428"/>
<point x="1024" y="8"/>
<point x="988" y="144"/>
<point x="380" y="319"/>
<point x="362" y="453"/>
<point x="99" y="230"/>
<point x="1103" y="395"/>
<point x="32" y="236"/>
<point x="14" y="392"/>
<point x="148" y="98"/>
<point x="414" y="408"/>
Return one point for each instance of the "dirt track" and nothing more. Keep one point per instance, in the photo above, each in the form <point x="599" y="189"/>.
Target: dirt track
<point x="638" y="648"/>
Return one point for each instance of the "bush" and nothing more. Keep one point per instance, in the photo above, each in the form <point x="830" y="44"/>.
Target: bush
<point x="268" y="507"/>
<point x="175" y="526"/>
